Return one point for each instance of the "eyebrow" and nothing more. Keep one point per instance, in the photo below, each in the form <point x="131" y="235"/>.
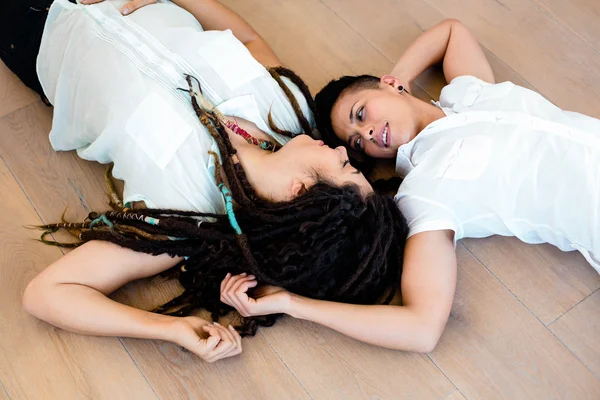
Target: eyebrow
<point x="351" y="116"/>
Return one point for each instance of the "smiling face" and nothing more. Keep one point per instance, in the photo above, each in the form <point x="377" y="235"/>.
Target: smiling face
<point x="376" y="121"/>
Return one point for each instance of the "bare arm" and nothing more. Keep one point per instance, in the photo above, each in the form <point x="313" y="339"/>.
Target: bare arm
<point x="72" y="294"/>
<point x="428" y="284"/>
<point x="450" y="43"/>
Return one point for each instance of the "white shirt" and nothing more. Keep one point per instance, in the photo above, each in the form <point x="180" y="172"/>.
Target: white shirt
<point x="505" y="161"/>
<point x="113" y="82"/>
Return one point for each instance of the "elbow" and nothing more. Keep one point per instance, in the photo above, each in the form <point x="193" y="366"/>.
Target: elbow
<point x="428" y="342"/>
<point x="33" y="298"/>
<point x="429" y="336"/>
<point x="452" y="22"/>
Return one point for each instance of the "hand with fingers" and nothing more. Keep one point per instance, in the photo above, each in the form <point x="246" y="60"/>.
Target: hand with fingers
<point x="190" y="333"/>
<point x="127" y="8"/>
<point x="266" y="299"/>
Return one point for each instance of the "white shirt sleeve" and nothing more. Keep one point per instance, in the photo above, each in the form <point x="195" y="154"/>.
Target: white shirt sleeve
<point x="425" y="215"/>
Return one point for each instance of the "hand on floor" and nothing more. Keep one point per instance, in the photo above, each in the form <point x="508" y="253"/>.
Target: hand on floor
<point x="190" y="333"/>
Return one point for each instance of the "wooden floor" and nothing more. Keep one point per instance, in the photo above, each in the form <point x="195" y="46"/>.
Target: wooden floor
<point x="526" y="319"/>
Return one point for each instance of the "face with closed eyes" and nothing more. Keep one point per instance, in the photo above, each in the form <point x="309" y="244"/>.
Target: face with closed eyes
<point x="307" y="161"/>
<point x="376" y="121"/>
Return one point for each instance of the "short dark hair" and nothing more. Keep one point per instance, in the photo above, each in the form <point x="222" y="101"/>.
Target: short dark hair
<point x="324" y="102"/>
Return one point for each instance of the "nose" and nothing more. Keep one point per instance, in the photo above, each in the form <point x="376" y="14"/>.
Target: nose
<point x="367" y="134"/>
<point x="343" y="152"/>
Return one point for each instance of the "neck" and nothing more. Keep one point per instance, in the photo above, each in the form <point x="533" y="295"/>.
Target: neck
<point x="257" y="165"/>
<point x="428" y="113"/>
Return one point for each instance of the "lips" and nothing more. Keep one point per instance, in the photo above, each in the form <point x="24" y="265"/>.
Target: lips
<point x="384" y="137"/>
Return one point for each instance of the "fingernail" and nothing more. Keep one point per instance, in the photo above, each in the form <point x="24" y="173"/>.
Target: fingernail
<point x="251" y="276"/>
<point x="125" y="11"/>
<point x="228" y="275"/>
<point x="243" y="274"/>
<point x="230" y="327"/>
<point x="216" y="323"/>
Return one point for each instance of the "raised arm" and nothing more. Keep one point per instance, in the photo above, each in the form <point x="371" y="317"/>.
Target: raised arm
<point x="428" y="284"/>
<point x="72" y="294"/>
<point x="450" y="43"/>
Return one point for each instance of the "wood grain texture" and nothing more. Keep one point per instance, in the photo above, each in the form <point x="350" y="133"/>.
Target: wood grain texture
<point x="342" y="368"/>
<point x="546" y="280"/>
<point x="13" y="93"/>
<point x="494" y="348"/>
<point x="579" y="330"/>
<point x="456" y="395"/>
<point x="579" y="16"/>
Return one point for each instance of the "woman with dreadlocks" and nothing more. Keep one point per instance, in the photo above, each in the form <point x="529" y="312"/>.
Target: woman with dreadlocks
<point x="226" y="195"/>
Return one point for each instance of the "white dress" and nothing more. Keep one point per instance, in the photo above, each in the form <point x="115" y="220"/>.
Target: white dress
<point x="505" y="161"/>
<point x="113" y="82"/>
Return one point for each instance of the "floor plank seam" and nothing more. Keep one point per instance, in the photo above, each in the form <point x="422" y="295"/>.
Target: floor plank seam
<point x="20" y="108"/>
<point x="138" y="367"/>
<point x="574" y="305"/>
<point x="504" y="286"/>
<point x="535" y="316"/>
<point x="575" y="355"/>
<point x="371" y="44"/>
<point x="447" y="377"/>
<point x="4" y="390"/>
<point x="287" y="366"/>
<point x="563" y="24"/>
<point x="451" y="393"/>
<point x="62" y="250"/>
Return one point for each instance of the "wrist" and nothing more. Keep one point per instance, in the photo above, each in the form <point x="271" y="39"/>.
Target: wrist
<point x="165" y="327"/>
<point x="293" y="306"/>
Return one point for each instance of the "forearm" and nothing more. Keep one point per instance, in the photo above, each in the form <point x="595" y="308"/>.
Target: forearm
<point x="429" y="49"/>
<point x="393" y="327"/>
<point x="83" y="310"/>
<point x="214" y="16"/>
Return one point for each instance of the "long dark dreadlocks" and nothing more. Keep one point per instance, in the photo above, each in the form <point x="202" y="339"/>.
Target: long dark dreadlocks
<point x="329" y="243"/>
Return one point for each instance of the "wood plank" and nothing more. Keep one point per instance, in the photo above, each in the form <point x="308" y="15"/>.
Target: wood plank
<point x="332" y="366"/>
<point x="494" y="348"/>
<point x="37" y="360"/>
<point x="256" y="374"/>
<point x="578" y="330"/>
<point x="13" y="93"/>
<point x="456" y="395"/>
<point x="380" y="26"/>
<point x="529" y="41"/>
<point x="51" y="180"/>
<point x="546" y="280"/>
<point x="580" y="16"/>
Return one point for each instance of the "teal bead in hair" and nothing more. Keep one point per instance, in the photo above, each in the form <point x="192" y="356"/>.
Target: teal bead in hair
<point x="103" y="219"/>
<point x="229" y="207"/>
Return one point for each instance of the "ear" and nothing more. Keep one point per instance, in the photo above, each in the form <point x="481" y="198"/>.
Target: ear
<point x="390" y="82"/>
<point x="298" y="188"/>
